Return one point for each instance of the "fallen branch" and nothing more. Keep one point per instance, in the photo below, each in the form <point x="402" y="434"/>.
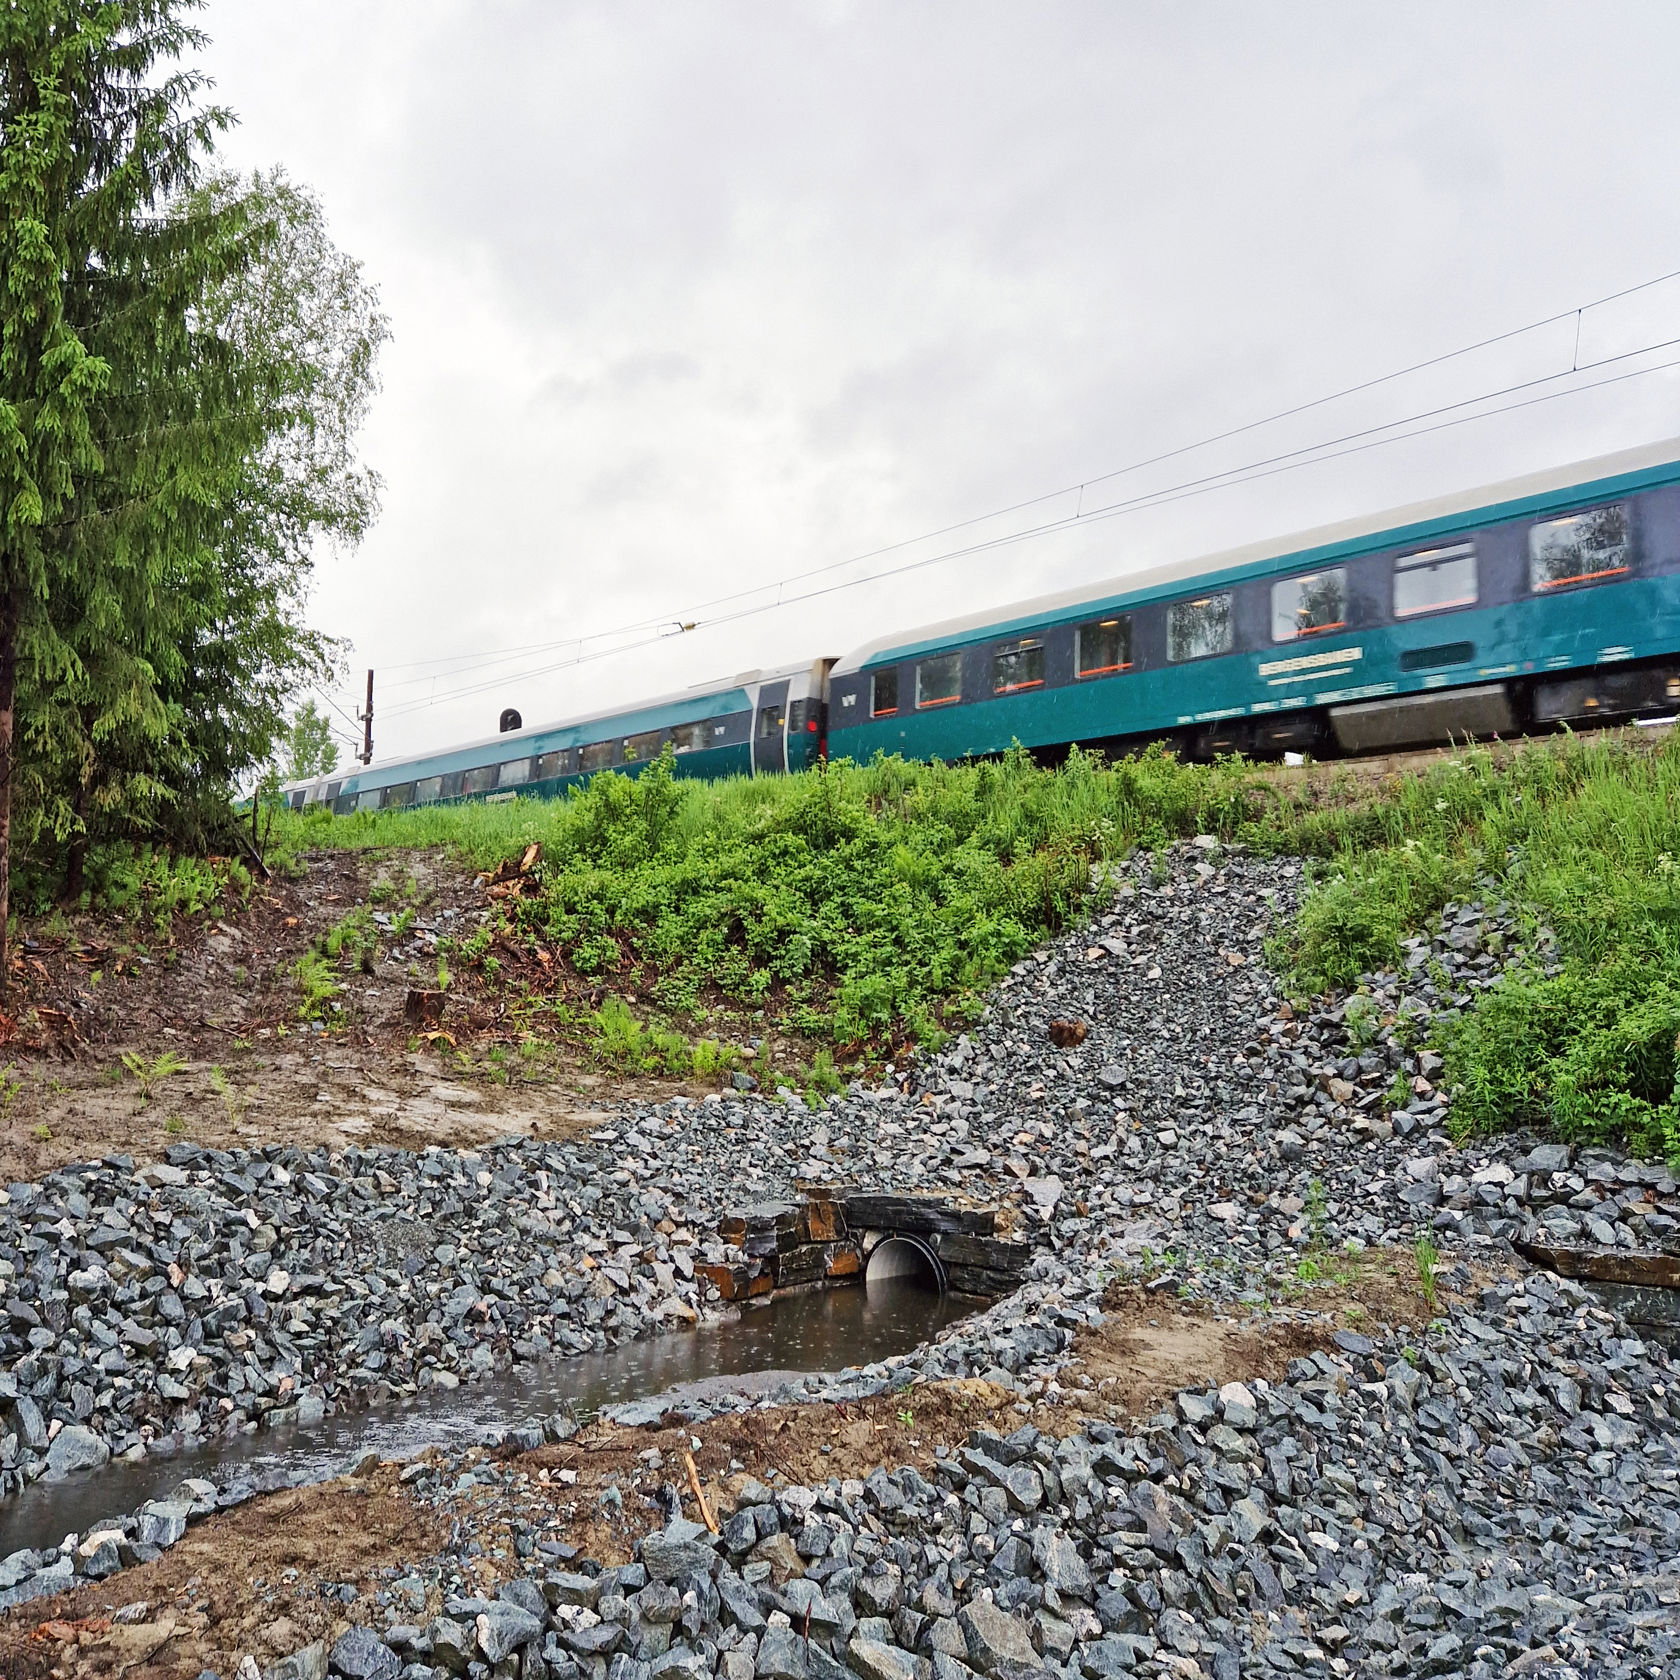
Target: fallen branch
<point x="699" y="1492"/>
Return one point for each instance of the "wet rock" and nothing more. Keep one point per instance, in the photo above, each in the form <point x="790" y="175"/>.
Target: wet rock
<point x="75" y="1448"/>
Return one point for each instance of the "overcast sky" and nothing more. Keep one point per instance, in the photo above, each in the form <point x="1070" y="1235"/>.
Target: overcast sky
<point x="690" y="298"/>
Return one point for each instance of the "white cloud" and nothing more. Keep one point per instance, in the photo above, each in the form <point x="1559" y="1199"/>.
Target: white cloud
<point x="689" y="298"/>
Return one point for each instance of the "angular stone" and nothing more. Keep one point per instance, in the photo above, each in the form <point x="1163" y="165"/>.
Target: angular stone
<point x="162" y="1523"/>
<point x="667" y="1558"/>
<point x="1237" y="1404"/>
<point x="877" y="1661"/>
<point x="504" y="1629"/>
<point x="998" y="1645"/>
<point x="362" y="1655"/>
<point x="781" y="1655"/>
<point x="1059" y="1562"/>
<point x="308" y="1664"/>
<point x="75" y="1448"/>
<point x="779" y="1551"/>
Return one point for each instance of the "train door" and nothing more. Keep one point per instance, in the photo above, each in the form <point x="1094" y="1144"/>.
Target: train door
<point x="770" y="729"/>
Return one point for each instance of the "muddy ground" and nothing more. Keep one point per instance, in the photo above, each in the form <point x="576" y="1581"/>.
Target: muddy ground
<point x="300" y="1565"/>
<point x="219" y="994"/>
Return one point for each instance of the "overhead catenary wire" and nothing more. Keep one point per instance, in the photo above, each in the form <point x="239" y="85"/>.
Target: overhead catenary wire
<point x="485" y="660"/>
<point x="1308" y="455"/>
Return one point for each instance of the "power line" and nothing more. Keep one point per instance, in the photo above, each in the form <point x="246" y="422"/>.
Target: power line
<point x="1290" y="460"/>
<point x="490" y="658"/>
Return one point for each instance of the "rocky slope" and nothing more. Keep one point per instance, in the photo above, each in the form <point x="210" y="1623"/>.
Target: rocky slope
<point x="1497" y="1495"/>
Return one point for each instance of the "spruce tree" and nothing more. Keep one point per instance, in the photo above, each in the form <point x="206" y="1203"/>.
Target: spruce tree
<point x="104" y="458"/>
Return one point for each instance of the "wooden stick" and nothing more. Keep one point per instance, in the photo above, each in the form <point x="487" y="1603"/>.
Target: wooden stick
<point x="699" y="1492"/>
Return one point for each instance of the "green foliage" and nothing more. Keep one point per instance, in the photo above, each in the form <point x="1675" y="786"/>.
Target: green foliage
<point x="1361" y="1020"/>
<point x="149" y="1073"/>
<point x="309" y="748"/>
<point x="1579" y="837"/>
<point x="316" y="984"/>
<point x="353" y="940"/>
<point x="629" y="1046"/>
<point x="1427" y="1258"/>
<point x="154" y="885"/>
<point x="856" y="903"/>
<point x="822" y="1080"/>
<point x="184" y="361"/>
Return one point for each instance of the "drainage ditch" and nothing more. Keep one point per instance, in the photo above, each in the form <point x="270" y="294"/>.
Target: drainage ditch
<point x="792" y="1332"/>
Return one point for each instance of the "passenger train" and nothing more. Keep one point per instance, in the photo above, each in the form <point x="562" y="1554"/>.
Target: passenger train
<point x="1547" y="600"/>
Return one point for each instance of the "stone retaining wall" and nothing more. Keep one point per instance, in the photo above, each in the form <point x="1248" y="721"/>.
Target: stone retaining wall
<point x="827" y="1234"/>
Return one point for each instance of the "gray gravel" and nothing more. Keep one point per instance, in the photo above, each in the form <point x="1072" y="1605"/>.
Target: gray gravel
<point x="1498" y="1497"/>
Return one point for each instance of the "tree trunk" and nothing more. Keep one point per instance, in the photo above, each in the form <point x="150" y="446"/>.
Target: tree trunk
<point x="9" y="613"/>
<point x="75" y="867"/>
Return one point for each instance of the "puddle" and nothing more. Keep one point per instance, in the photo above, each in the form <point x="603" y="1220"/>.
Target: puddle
<point x="824" y="1330"/>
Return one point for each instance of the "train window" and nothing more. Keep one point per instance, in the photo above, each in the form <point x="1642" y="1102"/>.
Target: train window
<point x="480" y="779"/>
<point x="1197" y="629"/>
<point x="598" y="755"/>
<point x="939" y="680"/>
<point x="330" y="791"/>
<point x="1435" y="579"/>
<point x="401" y="794"/>
<point x="640" y="748"/>
<point x="1303" y="606"/>
<point x="369" y="800"/>
<point x="1017" y="665"/>
<point x="344" y="804"/>
<point x="453" y="782"/>
<point x="1104" y="647"/>
<point x="428" y="790"/>
<point x="549" y="765"/>
<point x="772" y="720"/>
<point x="1584" y="548"/>
<point x="884" y="696"/>
<point x="515" y="773"/>
<point x="690" y="737"/>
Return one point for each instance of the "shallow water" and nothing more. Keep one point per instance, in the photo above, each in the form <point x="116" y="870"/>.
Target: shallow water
<point x="824" y="1330"/>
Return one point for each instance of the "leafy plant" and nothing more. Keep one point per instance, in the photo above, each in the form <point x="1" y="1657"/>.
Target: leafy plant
<point x="317" y="984"/>
<point x="1427" y="1258"/>
<point x="146" y="1074"/>
<point x="1361" y="1021"/>
<point x="232" y="1103"/>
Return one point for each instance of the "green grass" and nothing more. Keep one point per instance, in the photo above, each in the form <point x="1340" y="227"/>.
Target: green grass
<point x="860" y="906"/>
<point x="1579" y="837"/>
<point x="854" y="905"/>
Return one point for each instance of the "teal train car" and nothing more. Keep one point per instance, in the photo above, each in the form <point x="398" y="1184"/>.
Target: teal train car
<point x="1549" y="599"/>
<point x="758" y="723"/>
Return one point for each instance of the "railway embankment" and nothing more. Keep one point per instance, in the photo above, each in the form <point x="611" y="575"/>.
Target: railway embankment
<point x="1279" y="1387"/>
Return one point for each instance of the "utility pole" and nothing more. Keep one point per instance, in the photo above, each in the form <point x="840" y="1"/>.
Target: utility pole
<point x="365" y="719"/>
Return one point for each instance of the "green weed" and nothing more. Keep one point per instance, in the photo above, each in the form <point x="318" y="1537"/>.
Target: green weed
<point x="317" y="985"/>
<point x="146" y="1074"/>
<point x="1428" y="1258"/>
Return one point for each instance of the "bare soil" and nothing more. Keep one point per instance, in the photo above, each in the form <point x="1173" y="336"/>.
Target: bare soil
<point x="246" y="1581"/>
<point x="221" y="994"/>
